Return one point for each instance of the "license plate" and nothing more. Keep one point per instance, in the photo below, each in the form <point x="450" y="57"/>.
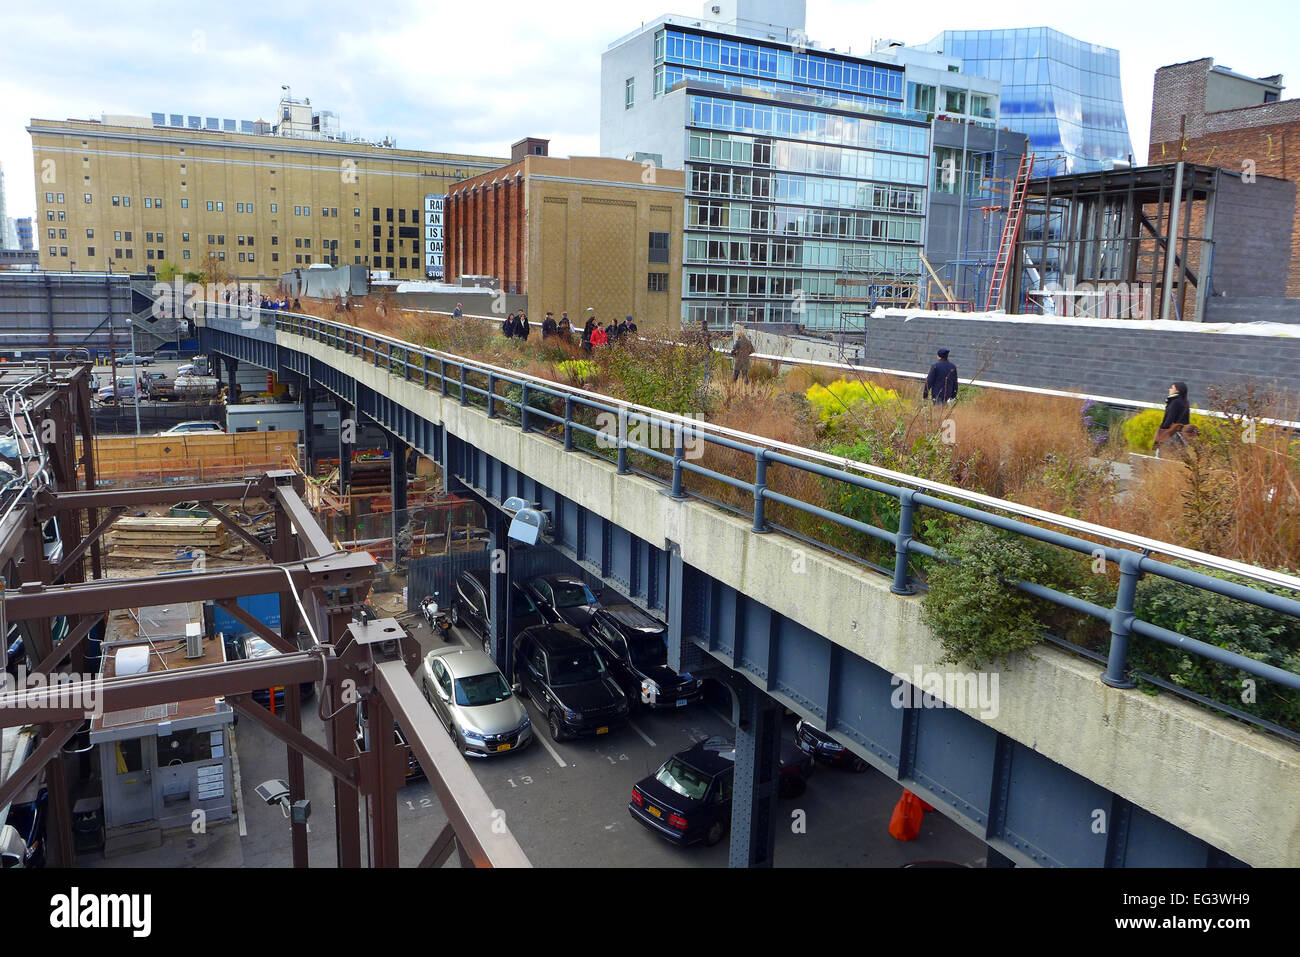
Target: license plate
<point x="681" y="703"/>
<point x="503" y="747"/>
<point x="602" y="730"/>
<point x="655" y="811"/>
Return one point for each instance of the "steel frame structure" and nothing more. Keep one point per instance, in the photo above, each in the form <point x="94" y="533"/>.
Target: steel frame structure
<point x="322" y="589"/>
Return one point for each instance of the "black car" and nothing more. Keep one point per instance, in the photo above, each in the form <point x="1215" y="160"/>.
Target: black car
<point x="564" y="598"/>
<point x="250" y="646"/>
<point x="567" y="679"/>
<point x="688" y="799"/>
<point x="822" y="746"/>
<point x="471" y="604"/>
<point x="634" y="645"/>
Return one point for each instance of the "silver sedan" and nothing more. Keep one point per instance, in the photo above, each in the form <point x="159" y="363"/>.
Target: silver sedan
<point x="474" y="702"/>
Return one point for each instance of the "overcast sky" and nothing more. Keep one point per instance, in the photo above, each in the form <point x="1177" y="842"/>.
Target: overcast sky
<point x="474" y="77"/>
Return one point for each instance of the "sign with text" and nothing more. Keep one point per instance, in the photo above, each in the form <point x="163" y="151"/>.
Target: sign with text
<point x="433" y="206"/>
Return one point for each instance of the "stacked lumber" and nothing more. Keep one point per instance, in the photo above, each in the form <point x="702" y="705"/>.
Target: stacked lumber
<point x="161" y="536"/>
<point x="197" y="457"/>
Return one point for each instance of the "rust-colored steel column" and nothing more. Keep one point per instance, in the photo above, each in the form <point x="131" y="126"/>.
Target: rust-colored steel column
<point x="383" y="771"/>
<point x="340" y="738"/>
<point x="282" y="552"/>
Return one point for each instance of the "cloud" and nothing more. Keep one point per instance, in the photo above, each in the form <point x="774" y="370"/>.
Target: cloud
<point x="475" y="77"/>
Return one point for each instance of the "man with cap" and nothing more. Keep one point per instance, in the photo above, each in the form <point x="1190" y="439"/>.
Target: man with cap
<point x="941" y="383"/>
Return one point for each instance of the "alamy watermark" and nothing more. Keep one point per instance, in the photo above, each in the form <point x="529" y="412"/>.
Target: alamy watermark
<point x="628" y="427"/>
<point x="71" y="692"/>
<point x="965" y="690"/>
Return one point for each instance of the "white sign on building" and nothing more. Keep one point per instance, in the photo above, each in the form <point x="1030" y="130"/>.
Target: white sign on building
<point x="433" y="205"/>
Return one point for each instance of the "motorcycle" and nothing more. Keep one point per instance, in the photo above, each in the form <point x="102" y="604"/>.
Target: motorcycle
<point x="436" y="618"/>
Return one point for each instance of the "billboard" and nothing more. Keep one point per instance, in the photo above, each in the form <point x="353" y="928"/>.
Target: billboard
<point x="433" y="206"/>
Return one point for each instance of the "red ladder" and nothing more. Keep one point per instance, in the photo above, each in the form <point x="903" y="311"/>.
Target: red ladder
<point x="1010" y="229"/>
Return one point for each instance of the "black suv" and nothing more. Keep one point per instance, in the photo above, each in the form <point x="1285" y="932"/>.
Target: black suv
<point x="566" y="677"/>
<point x="564" y="598"/>
<point x="634" y="645"/>
<point x="471" y="603"/>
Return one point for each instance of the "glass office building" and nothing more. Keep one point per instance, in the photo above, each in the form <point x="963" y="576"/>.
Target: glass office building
<point x="1062" y="93"/>
<point x="800" y="164"/>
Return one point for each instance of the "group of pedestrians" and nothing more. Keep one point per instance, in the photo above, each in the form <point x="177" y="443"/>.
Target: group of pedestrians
<point x="594" y="334"/>
<point x="517" y="326"/>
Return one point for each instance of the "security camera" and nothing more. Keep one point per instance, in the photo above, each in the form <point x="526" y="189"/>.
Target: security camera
<point x="273" y="792"/>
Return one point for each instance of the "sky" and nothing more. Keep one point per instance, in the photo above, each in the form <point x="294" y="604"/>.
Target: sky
<point x="475" y="77"/>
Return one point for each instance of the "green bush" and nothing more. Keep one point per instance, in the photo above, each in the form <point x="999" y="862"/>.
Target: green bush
<point x="1140" y="430"/>
<point x="835" y="398"/>
<point x="577" y="371"/>
<point x="661" y="376"/>
<point x="972" y="608"/>
<point x="1237" y="626"/>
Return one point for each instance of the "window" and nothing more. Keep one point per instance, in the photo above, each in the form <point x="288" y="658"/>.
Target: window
<point x="220" y="206"/>
<point x="148" y="203"/>
<point x="49" y="197"/>
<point x="60" y="196"/>
<point x="629" y="92"/>
<point x="954" y="101"/>
<point x="130" y="254"/>
<point x="657" y="282"/>
<point x="297" y="210"/>
<point x="356" y="211"/>
<point x="239" y="207"/>
<point x="185" y="204"/>
<point x="306" y="210"/>
<point x="63" y="216"/>
<point x="275" y="257"/>
<point x="185" y="254"/>
<point x="126" y="200"/>
<point x="275" y="240"/>
<point x="63" y="234"/>
<point x="89" y="198"/>
<point x="126" y="236"/>
<point x="90" y="233"/>
<point x="390" y="215"/>
<point x="275" y="207"/>
<point x="185" y="237"/>
<point x="117" y="235"/>
<point x="241" y="257"/>
<point x="209" y="206"/>
<point x="90" y="251"/>
<point x="52" y="232"/>
<point x="658" y="247"/>
<point x="148" y="237"/>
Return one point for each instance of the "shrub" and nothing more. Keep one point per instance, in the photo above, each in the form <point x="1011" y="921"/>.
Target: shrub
<point x="577" y="371"/>
<point x="1247" y="629"/>
<point x="835" y="398"/>
<point x="973" y="609"/>
<point x="1140" y="430"/>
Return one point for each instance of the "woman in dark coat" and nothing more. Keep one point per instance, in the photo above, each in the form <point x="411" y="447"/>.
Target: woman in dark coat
<point x="1176" y="425"/>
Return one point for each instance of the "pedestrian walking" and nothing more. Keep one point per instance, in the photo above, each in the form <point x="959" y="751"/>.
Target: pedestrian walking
<point x="565" y="328"/>
<point x="599" y="337"/>
<point x="508" y="327"/>
<point x="548" y="325"/>
<point x="1176" y="427"/>
<point x="587" y="331"/>
<point x="522" y="326"/>
<point x="941" y="383"/>
<point x="741" y="350"/>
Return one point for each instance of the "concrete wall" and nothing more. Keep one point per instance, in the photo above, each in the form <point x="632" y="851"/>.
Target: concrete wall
<point x="1127" y="363"/>
<point x="1252" y="236"/>
<point x="1253" y="309"/>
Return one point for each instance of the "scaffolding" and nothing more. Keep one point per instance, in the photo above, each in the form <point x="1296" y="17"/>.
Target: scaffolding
<point x="873" y="279"/>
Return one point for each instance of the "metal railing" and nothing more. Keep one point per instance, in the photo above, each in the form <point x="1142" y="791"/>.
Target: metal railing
<point x="447" y="374"/>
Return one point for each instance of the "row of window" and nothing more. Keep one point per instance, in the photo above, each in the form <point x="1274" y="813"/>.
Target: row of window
<point x="796" y="251"/>
<point x="776" y="63"/>
<point x="812" y="285"/>
<point x="667" y="76"/>
<point x="764" y="118"/>
<point x="742" y="217"/>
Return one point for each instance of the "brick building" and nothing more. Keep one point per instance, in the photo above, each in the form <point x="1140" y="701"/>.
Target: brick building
<point x="573" y="233"/>
<point x="1207" y="114"/>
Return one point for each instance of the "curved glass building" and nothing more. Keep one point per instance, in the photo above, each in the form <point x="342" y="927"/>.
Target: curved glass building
<point x="1062" y="93"/>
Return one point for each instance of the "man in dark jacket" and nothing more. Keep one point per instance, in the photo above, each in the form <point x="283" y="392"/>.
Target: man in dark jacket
<point x="941" y="383"/>
<point x="565" y="328"/>
<point x="508" y="327"/>
<point x="548" y="325"/>
<point x="1177" y="420"/>
<point x="522" y="328"/>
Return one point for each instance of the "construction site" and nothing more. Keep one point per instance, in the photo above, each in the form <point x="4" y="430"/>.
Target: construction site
<point x="151" y="602"/>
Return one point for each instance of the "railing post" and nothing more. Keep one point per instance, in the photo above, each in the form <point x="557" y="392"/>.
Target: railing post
<point x="424" y="366"/>
<point x="523" y="408"/>
<point x="568" y="423"/>
<point x="622" y="441"/>
<point x="760" y="486"/>
<point x="1121" y="622"/>
<point x="679" y="454"/>
<point x="464" y="399"/>
<point x="442" y="374"/>
<point x="902" y="544"/>
<point x="491" y="396"/>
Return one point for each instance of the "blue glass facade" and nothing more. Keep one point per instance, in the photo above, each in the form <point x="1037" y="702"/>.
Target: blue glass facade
<point x="1062" y="93"/>
<point x="796" y="163"/>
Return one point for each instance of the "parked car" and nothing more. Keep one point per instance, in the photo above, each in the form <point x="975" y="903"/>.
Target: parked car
<point x="820" y="745"/>
<point x="123" y="393"/>
<point x="471" y="603"/>
<point x="185" y="428"/>
<point x="474" y="702"/>
<point x="252" y="647"/>
<point x="567" y="679"/>
<point x="635" y="647"/>
<point x="132" y="359"/>
<point x="688" y="800"/>
<point x="28" y="819"/>
<point x="564" y="598"/>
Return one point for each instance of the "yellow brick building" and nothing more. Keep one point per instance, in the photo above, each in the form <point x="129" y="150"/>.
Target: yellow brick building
<point x="572" y="233"/>
<point x="141" y="195"/>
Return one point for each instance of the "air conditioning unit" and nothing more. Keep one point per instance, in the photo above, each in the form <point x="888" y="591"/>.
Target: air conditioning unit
<point x="193" y="640"/>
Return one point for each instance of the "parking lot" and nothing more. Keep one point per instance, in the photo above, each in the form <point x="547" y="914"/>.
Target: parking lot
<point x="566" y="804"/>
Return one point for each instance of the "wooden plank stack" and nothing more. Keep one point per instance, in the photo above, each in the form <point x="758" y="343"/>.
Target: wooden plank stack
<point x="161" y="536"/>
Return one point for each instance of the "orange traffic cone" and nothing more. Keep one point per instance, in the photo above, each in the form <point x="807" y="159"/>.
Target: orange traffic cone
<point x="905" y="822"/>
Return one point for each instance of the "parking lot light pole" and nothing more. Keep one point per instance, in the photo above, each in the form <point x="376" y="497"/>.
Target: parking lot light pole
<point x="135" y="376"/>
